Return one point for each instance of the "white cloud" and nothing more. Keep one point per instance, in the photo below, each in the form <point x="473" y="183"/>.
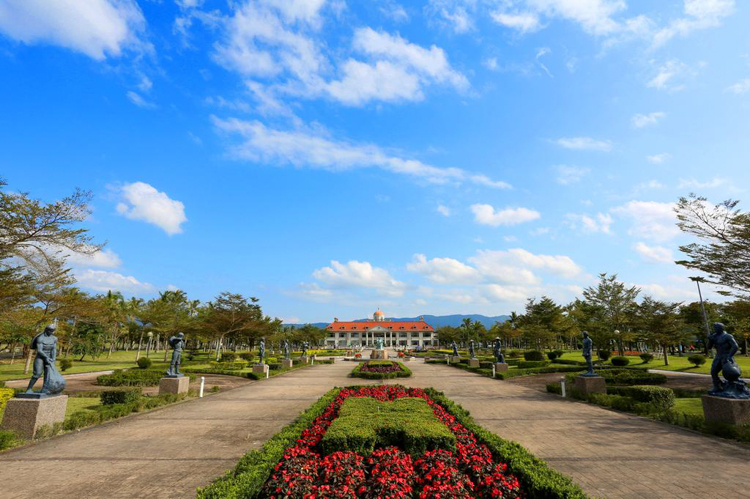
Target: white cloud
<point x="491" y="63"/>
<point x="459" y="19"/>
<point x="584" y="144"/>
<point x="699" y="14"/>
<point x="601" y="222"/>
<point x="657" y="254"/>
<point x="443" y="270"/>
<point x="355" y="274"/>
<point x="516" y="265"/>
<point x="399" y="72"/>
<point x="96" y="28"/>
<point x="567" y="175"/>
<point x="485" y="214"/>
<point x="651" y="184"/>
<point x="139" y="101"/>
<point x="144" y="202"/>
<point x="103" y="281"/>
<point x="644" y="120"/>
<point x="691" y="183"/>
<point x="525" y="22"/>
<point x="650" y="219"/>
<point x="105" y="258"/>
<point x="658" y="159"/>
<point x="670" y="76"/>
<point x="394" y="11"/>
<point x="314" y="150"/>
<point x="740" y="87"/>
<point x="443" y="210"/>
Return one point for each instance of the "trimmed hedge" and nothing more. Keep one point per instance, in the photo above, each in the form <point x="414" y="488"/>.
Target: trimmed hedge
<point x="144" y="362"/>
<point x="111" y="397"/>
<point x="631" y="377"/>
<point x="532" y="364"/>
<point x="646" y="357"/>
<point x="357" y="372"/>
<point x="536" y="478"/>
<point x="620" y="361"/>
<point x="253" y="469"/>
<point x="131" y="377"/>
<point x="81" y="419"/>
<point x="697" y="359"/>
<point x="533" y="355"/>
<point x="659" y="396"/>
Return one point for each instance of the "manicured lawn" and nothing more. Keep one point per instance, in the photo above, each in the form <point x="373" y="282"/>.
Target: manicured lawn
<point x="81" y="404"/>
<point x="692" y="406"/>
<point x="675" y="363"/>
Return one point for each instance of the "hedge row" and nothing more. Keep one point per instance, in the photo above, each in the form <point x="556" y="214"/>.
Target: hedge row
<point x="81" y="419"/>
<point x="126" y="396"/>
<point x="251" y="472"/>
<point x="357" y="372"/>
<point x="537" y="479"/>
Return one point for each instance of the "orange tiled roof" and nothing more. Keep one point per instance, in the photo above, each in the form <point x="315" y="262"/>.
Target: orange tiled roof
<point x="390" y="325"/>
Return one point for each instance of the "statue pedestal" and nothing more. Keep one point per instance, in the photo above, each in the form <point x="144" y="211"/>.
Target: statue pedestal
<point x="261" y="369"/>
<point x="406" y="359"/>
<point x="26" y="415"/>
<point x="455" y="358"/>
<point x="590" y="384"/>
<point x="378" y="354"/>
<point x="501" y="367"/>
<point x="174" y="385"/>
<point x="473" y="362"/>
<point x="286" y="363"/>
<point x="724" y="410"/>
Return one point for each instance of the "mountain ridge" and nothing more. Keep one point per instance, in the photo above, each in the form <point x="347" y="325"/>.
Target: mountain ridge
<point x="435" y="321"/>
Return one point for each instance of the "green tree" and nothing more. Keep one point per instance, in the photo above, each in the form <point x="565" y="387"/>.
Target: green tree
<point x="543" y="322"/>
<point x="660" y="323"/>
<point x="608" y="310"/>
<point x="231" y="314"/>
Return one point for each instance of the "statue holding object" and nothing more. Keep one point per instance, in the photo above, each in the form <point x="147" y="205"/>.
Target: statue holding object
<point x="726" y="346"/>
<point x="588" y="347"/>
<point x="45" y="344"/>
<point x="177" y="342"/>
<point x="498" y="351"/>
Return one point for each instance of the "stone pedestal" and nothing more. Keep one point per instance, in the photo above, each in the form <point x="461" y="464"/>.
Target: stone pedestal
<point x="261" y="369"/>
<point x="286" y="363"/>
<point x="174" y="385"/>
<point x="473" y="362"/>
<point x="26" y="415"/>
<point x="591" y="384"/>
<point x="724" y="410"/>
<point x="455" y="358"/>
<point x="378" y="354"/>
<point x="501" y="367"/>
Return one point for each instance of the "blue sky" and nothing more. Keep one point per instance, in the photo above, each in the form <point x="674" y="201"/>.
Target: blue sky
<point x="329" y="157"/>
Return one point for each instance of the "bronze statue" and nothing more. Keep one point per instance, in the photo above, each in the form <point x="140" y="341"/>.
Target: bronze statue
<point x="588" y="346"/>
<point x="178" y="344"/>
<point x="726" y="346"/>
<point x="455" y="348"/>
<point x="287" y="350"/>
<point x="262" y="349"/>
<point x="305" y="346"/>
<point x="499" y="357"/>
<point x="45" y="344"/>
<point x="472" y="353"/>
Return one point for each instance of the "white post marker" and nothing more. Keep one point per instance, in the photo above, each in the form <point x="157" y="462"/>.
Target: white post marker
<point x="562" y="386"/>
<point x="203" y="382"/>
<point x="493" y="371"/>
<point x="268" y="373"/>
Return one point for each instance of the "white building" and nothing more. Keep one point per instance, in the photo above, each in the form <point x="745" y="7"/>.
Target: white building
<point x="410" y="334"/>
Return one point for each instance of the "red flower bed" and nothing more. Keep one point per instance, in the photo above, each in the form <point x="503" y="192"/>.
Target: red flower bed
<point x="389" y="473"/>
<point x="370" y="368"/>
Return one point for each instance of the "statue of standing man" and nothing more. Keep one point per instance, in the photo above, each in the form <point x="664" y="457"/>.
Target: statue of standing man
<point x="262" y="349"/>
<point x="177" y="343"/>
<point x="472" y="352"/>
<point x="455" y="348"/>
<point x="497" y="347"/>
<point x="588" y="347"/>
<point x="45" y="344"/>
<point x="287" y="350"/>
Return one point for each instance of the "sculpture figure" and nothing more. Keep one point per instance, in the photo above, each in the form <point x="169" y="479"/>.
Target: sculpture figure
<point x="262" y="353"/>
<point x="45" y="344"/>
<point x="472" y="353"/>
<point x="499" y="357"/>
<point x="177" y="342"/>
<point x="726" y="346"/>
<point x="287" y="350"/>
<point x="455" y="348"/>
<point x="305" y="346"/>
<point x="379" y="343"/>
<point x="588" y="346"/>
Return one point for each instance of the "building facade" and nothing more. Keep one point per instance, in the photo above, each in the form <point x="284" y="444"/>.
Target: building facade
<point x="411" y="334"/>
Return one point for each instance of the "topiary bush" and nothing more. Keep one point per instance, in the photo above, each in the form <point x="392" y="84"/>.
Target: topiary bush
<point x="144" y="362"/>
<point x="65" y="364"/>
<point x="604" y="354"/>
<point x="620" y="361"/>
<point x="697" y="359"/>
<point x="110" y="397"/>
<point x="658" y="397"/>
<point x="532" y="364"/>
<point x="559" y="353"/>
<point x="552" y="355"/>
<point x="248" y="356"/>
<point x="646" y="357"/>
<point x="131" y="377"/>
<point x="533" y="355"/>
<point x="228" y="357"/>
<point x="631" y="377"/>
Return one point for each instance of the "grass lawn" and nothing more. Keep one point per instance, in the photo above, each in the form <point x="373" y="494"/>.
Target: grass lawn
<point x="81" y="404"/>
<point x="675" y="363"/>
<point x="692" y="406"/>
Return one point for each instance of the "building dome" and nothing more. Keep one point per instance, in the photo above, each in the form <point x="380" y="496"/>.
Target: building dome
<point x="378" y="315"/>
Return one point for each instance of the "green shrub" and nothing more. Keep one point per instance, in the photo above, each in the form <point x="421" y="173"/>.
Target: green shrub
<point x="7" y="439"/>
<point x="5" y="395"/>
<point x="532" y="364"/>
<point x="357" y="372"/>
<point x="559" y="353"/>
<point x="144" y="362"/>
<point x="620" y="361"/>
<point x="2" y="384"/>
<point x="604" y="354"/>
<point x="646" y="357"/>
<point x="65" y="364"/>
<point x="81" y="419"/>
<point x="365" y="423"/>
<point x="697" y="359"/>
<point x="659" y="397"/>
<point x="631" y="377"/>
<point x="228" y="357"/>
<point x="554" y="388"/>
<point x="553" y="355"/>
<point x="533" y="355"/>
<point x="131" y="377"/>
<point x="123" y="396"/>
<point x="569" y="362"/>
<point x="248" y="356"/>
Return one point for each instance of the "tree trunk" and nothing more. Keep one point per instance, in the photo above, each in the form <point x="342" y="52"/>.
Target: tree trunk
<point x="13" y="352"/>
<point x="140" y="342"/>
<point x="666" y="355"/>
<point x="28" y="361"/>
<point x="218" y="347"/>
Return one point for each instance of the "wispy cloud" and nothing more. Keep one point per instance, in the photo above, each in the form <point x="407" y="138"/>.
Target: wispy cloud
<point x="485" y="214"/>
<point x="584" y="144"/>
<point x="644" y="120"/>
<point x="567" y="175"/>
<point x="740" y="87"/>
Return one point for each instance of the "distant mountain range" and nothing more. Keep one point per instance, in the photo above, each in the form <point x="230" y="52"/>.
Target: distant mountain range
<point x="435" y="321"/>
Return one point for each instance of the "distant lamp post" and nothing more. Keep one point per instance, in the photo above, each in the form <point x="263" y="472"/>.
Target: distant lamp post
<point x="148" y="345"/>
<point x="619" y="342"/>
<point x="698" y="281"/>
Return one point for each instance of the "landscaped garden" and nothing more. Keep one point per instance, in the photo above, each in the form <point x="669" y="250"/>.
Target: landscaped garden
<point x="380" y="369"/>
<point x="389" y="441"/>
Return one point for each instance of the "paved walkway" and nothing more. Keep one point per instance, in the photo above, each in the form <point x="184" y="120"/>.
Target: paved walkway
<point x="170" y="452"/>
